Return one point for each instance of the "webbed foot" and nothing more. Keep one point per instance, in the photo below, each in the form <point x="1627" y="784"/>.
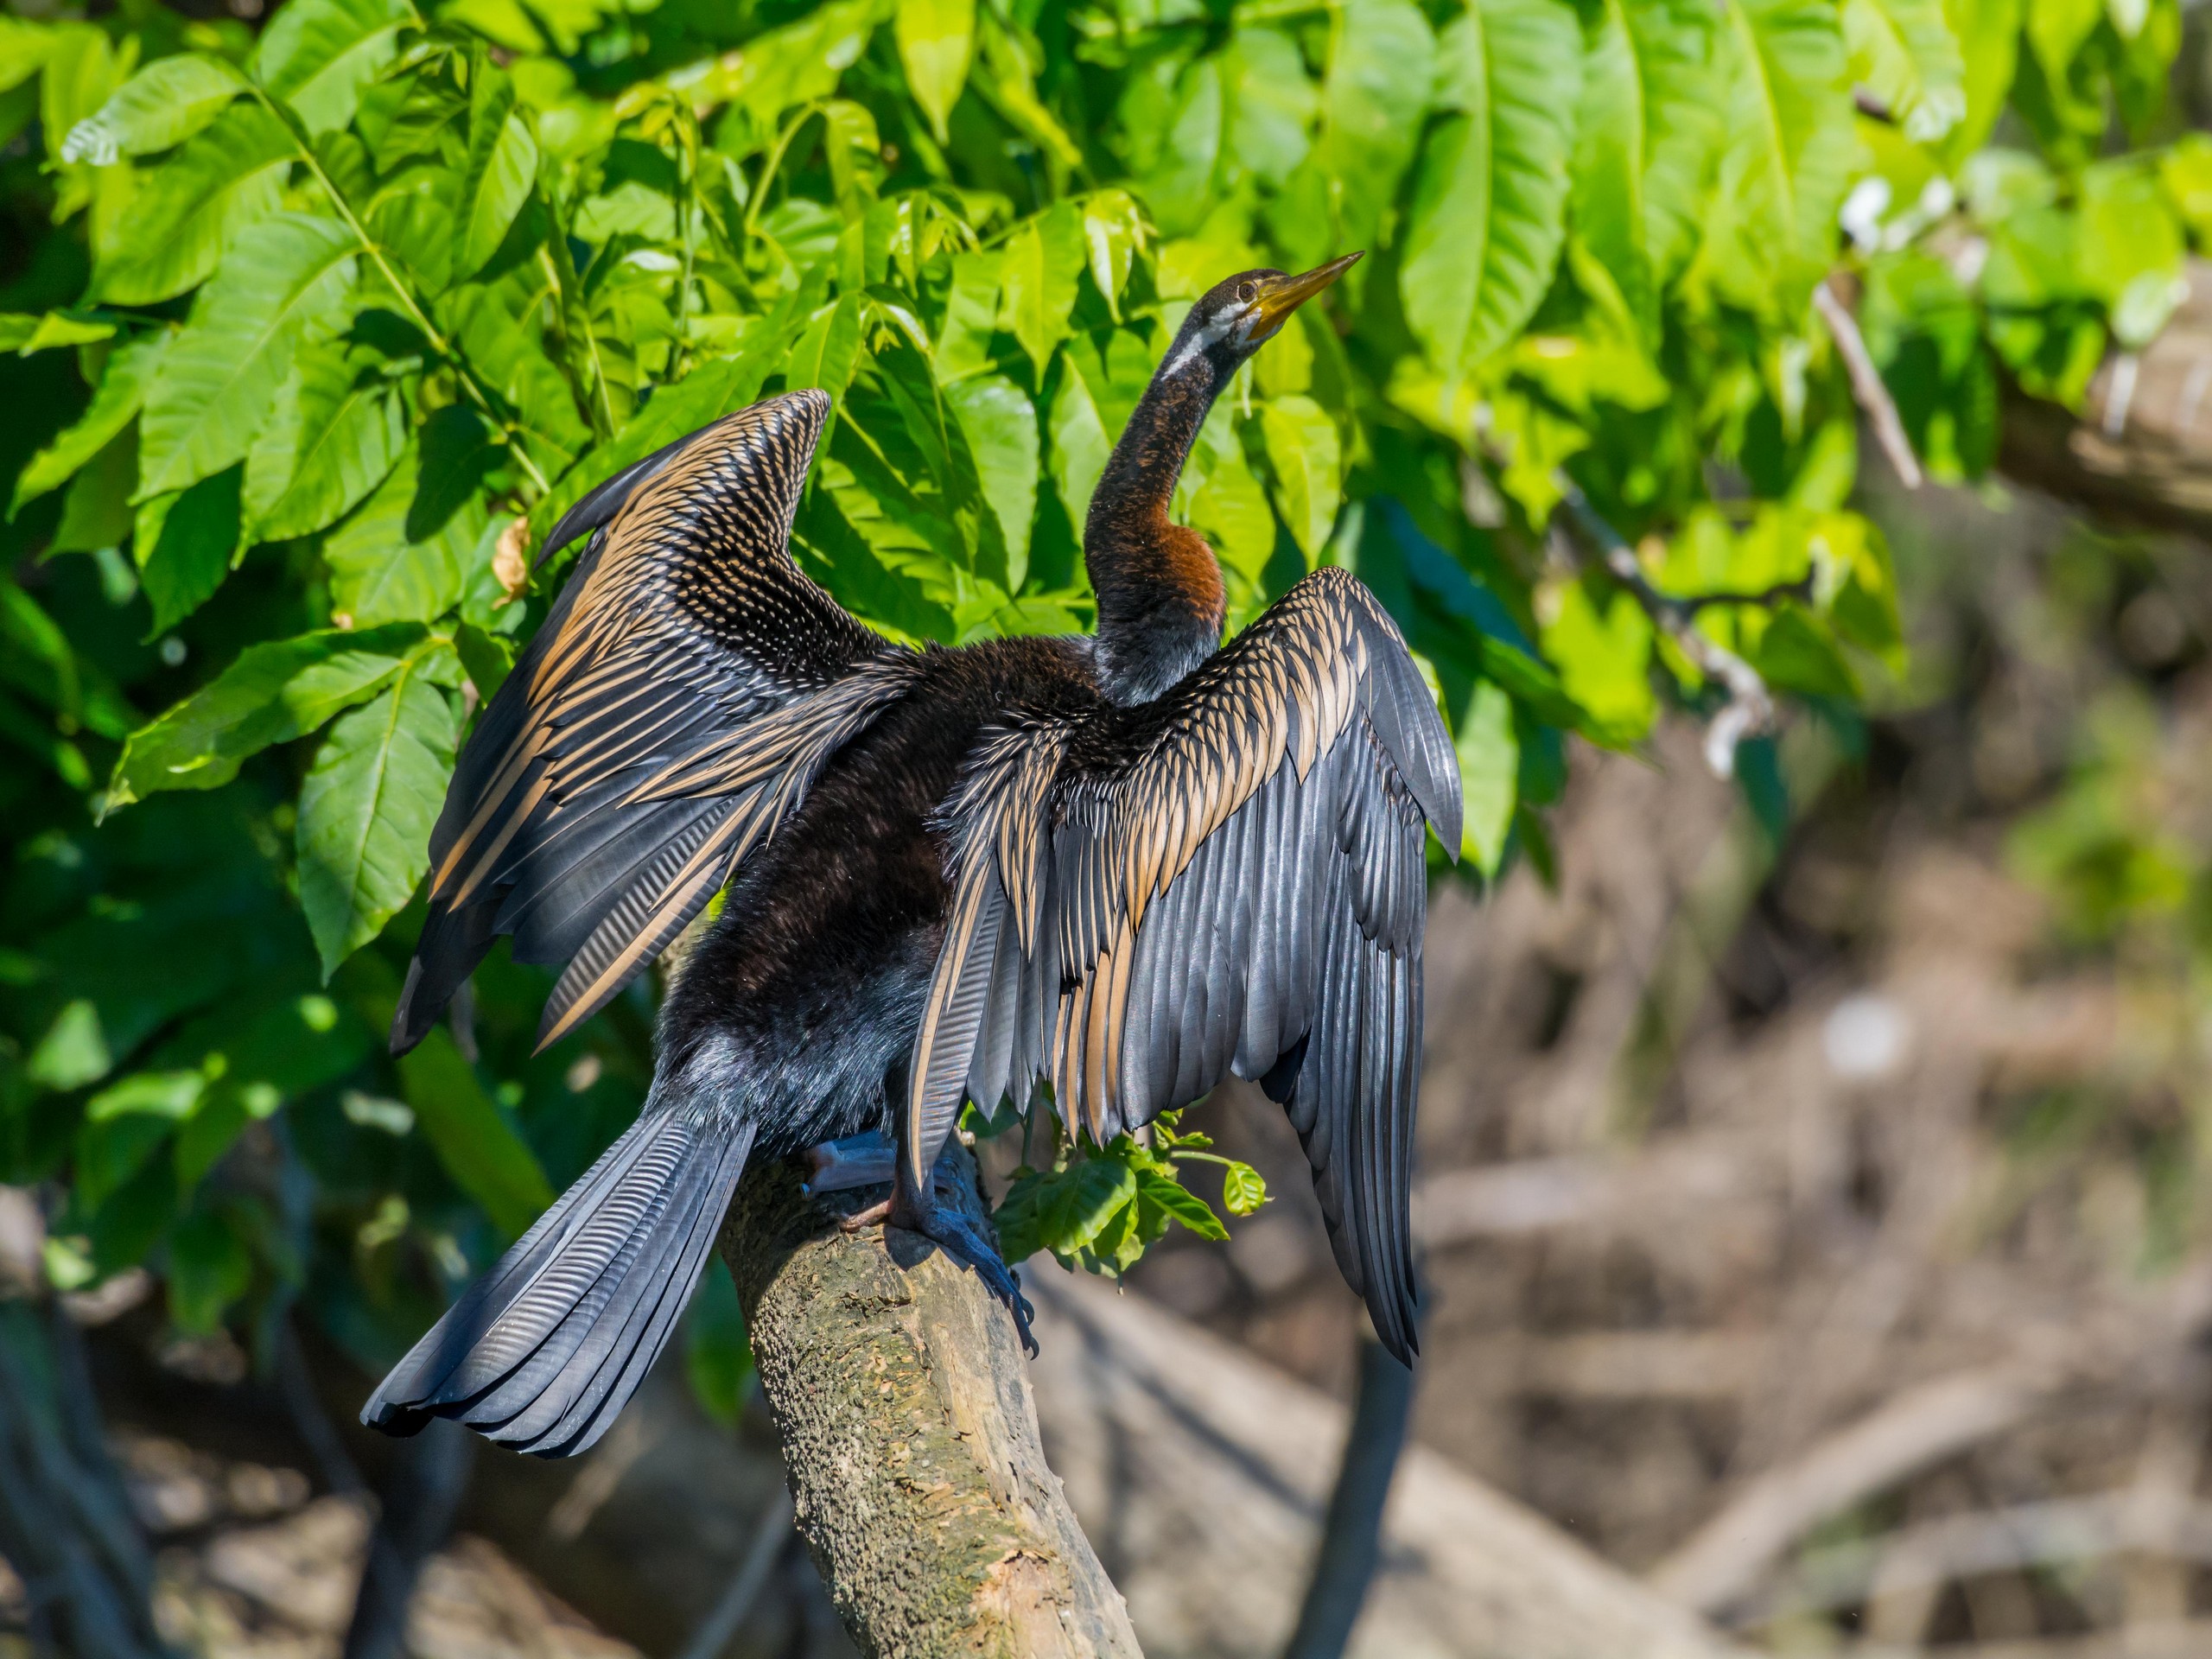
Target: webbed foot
<point x="952" y="1231"/>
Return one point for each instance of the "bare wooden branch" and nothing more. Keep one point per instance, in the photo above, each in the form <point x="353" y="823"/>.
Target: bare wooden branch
<point x="1158" y="1428"/>
<point x="1749" y="709"/>
<point x="1726" y="1558"/>
<point x="2140" y="446"/>
<point x="1874" y="399"/>
<point x="1992" y="1541"/>
<point x="898" y="1387"/>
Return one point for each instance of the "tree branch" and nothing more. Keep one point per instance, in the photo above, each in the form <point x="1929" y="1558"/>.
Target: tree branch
<point x="1866" y="385"/>
<point x="1749" y="709"/>
<point x="898" y="1388"/>
<point x="1726" y="1557"/>
<point x="1352" y="1536"/>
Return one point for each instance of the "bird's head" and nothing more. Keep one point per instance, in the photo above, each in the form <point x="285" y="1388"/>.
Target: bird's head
<point x="1237" y="316"/>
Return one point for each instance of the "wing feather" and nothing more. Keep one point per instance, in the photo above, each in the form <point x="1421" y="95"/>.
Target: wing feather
<point x="685" y="690"/>
<point x="1229" y="881"/>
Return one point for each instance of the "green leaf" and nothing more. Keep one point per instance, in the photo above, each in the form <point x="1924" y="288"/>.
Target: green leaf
<point x="458" y="450"/>
<point x="971" y="314"/>
<point x="1491" y="210"/>
<point x="476" y="1144"/>
<point x="1272" y="106"/>
<point x="1219" y="496"/>
<point x="1381" y="71"/>
<point x="1157" y="1187"/>
<point x="1643" y="142"/>
<point x="378" y="574"/>
<point x="184" y="543"/>
<point x="335" y="435"/>
<point x="1179" y="155"/>
<point x="826" y="352"/>
<point x="96" y="513"/>
<point x="1001" y="427"/>
<point x="317" y="55"/>
<point x="1243" y="1189"/>
<point x="82" y="68"/>
<point x="484" y="658"/>
<point x="284" y="283"/>
<point x="130" y="370"/>
<point x="209" y="1267"/>
<point x="936" y="38"/>
<point x="1604" y="660"/>
<point x="2130" y="250"/>
<point x="1114" y="231"/>
<point x="502" y="167"/>
<point x="1904" y="53"/>
<point x="24" y="49"/>
<point x="272" y="693"/>
<point x="1489" y="752"/>
<point x="1795" y="653"/>
<point x="165" y="104"/>
<point x="1084" y="1199"/>
<point x="1770" y="230"/>
<point x="27" y="335"/>
<point x="1044" y="260"/>
<point x="1080" y="445"/>
<point x="1988" y="36"/>
<point x="192" y="205"/>
<point x="366" y="813"/>
<point x="1305" y="455"/>
<point x="717" y="1357"/>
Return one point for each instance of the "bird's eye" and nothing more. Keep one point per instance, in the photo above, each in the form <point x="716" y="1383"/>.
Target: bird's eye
<point x="1248" y="292"/>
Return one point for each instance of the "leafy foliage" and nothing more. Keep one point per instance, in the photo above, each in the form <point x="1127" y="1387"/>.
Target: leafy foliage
<point x="317" y="328"/>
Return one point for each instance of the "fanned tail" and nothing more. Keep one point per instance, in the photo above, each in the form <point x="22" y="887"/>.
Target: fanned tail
<point x="546" y="1348"/>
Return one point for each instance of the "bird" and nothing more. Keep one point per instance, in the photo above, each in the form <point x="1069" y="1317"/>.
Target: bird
<point x="1109" y="871"/>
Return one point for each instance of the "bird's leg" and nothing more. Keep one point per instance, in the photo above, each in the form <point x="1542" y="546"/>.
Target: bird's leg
<point x="856" y="1160"/>
<point x="947" y="1226"/>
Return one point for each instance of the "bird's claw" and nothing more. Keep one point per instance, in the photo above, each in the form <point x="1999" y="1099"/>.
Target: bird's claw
<point x="959" y="1237"/>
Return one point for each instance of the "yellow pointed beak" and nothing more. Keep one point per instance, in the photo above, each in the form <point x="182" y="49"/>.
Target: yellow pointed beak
<point x="1281" y="295"/>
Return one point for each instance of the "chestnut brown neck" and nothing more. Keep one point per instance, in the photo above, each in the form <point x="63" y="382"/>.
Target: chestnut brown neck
<point x="1160" y="602"/>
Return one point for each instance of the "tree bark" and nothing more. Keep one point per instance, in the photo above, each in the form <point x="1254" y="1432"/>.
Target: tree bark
<point x="898" y="1388"/>
<point x="2140" y="449"/>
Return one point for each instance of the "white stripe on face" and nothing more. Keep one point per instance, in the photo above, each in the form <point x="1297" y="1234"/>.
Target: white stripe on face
<point x="1233" y="321"/>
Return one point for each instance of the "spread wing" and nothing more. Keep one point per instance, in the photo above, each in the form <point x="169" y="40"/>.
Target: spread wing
<point x="1230" y="879"/>
<point x="684" y="691"/>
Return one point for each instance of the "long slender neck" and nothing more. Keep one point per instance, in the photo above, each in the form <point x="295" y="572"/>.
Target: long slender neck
<point x="1158" y="584"/>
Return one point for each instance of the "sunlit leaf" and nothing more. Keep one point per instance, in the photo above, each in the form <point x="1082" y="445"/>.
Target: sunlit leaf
<point x="271" y="694"/>
<point x="162" y="105"/>
<point x="281" y="285"/>
<point x="317" y="55"/>
<point x="336" y="433"/>
<point x="221" y="180"/>
<point x="365" y="812"/>
<point x="936" y="40"/>
<point x="130" y="370"/>
<point x="1490" y="211"/>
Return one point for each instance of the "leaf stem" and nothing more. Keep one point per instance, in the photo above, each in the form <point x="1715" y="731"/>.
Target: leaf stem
<point x="418" y="313"/>
<point x="768" y="168"/>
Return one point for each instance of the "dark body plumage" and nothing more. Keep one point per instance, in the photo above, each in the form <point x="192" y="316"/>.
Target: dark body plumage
<point x="1128" y="866"/>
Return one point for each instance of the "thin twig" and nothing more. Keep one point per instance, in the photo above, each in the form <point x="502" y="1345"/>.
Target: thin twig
<point x="1750" y="707"/>
<point x="1866" y="384"/>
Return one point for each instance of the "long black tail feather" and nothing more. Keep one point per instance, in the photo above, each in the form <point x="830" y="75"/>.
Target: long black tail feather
<point x="543" y="1352"/>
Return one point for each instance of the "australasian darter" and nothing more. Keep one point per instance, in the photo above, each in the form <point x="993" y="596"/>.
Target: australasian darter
<point x="1129" y="864"/>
